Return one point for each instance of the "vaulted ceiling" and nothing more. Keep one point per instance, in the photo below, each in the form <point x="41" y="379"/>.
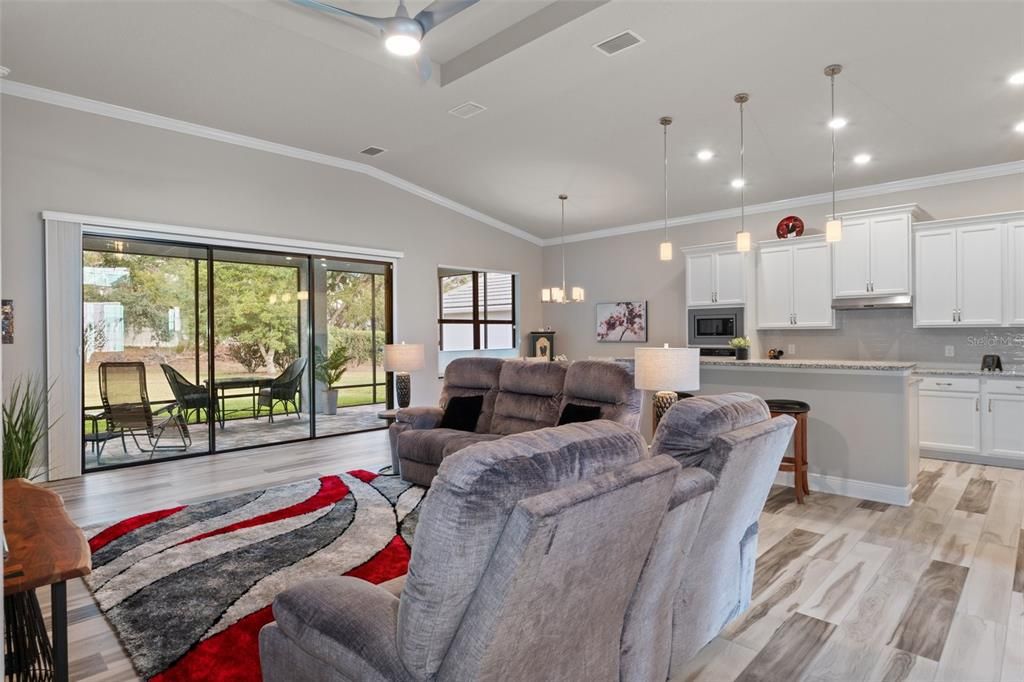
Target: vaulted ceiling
<point x="924" y="88"/>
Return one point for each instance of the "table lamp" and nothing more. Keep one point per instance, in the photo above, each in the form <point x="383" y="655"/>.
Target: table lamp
<point x="666" y="370"/>
<point x="402" y="358"/>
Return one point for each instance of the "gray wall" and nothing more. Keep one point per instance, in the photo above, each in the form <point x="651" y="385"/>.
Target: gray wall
<point x="627" y="268"/>
<point x="63" y="160"/>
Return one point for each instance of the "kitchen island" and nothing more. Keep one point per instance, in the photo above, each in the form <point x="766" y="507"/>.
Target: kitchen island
<point x="862" y="430"/>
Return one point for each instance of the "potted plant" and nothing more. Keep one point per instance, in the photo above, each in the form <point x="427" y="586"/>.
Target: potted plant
<point x="24" y="421"/>
<point x="328" y="370"/>
<point x="742" y="346"/>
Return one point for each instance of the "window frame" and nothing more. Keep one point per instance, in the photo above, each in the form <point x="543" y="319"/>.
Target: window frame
<point x="478" y="322"/>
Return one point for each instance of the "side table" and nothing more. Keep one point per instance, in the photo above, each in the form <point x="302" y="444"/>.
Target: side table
<point x="46" y="548"/>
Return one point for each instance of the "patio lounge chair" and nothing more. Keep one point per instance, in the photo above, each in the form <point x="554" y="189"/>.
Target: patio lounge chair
<point x="127" y="406"/>
<point x="283" y="389"/>
<point x="189" y="396"/>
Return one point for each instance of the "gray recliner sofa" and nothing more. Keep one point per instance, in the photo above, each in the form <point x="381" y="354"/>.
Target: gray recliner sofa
<point x="525" y="558"/>
<point x="730" y="447"/>
<point x="518" y="396"/>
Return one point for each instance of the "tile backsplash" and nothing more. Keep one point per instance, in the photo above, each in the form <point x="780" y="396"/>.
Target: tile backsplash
<point x="890" y="335"/>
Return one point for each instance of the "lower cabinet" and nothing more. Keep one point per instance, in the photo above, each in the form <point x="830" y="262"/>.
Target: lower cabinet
<point x="1002" y="419"/>
<point x="981" y="419"/>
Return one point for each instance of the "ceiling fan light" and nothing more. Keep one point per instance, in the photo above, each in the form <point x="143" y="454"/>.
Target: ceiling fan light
<point x="834" y="230"/>
<point x="665" y="251"/>
<point x="402" y="45"/>
<point x="743" y="241"/>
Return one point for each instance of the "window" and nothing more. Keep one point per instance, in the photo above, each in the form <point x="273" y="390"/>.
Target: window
<point x="477" y="310"/>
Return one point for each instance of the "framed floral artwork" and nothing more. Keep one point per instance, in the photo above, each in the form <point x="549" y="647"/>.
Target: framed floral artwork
<point x="622" y="322"/>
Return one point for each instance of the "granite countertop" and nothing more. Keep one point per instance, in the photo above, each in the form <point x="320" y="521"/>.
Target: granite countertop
<point x="1009" y="372"/>
<point x="863" y="365"/>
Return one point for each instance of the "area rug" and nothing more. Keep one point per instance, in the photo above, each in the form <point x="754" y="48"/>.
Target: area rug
<point x="187" y="589"/>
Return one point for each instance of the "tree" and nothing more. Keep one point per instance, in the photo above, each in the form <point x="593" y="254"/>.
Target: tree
<point x="256" y="305"/>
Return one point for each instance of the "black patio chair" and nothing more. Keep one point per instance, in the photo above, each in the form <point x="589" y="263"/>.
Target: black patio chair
<point x="190" y="397"/>
<point x="126" y="403"/>
<point x="283" y="389"/>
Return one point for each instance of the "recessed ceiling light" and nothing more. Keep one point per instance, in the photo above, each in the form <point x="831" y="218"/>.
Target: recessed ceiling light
<point x="837" y="123"/>
<point x="862" y="159"/>
<point x="1016" y="78"/>
<point x="1019" y="127"/>
<point x="705" y="155"/>
<point x="738" y="182"/>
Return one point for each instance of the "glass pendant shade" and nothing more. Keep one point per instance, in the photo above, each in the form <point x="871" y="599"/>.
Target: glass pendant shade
<point x="557" y="295"/>
<point x="577" y="294"/>
<point x="743" y="241"/>
<point x="665" y="251"/>
<point x="834" y="230"/>
<point x="545" y="295"/>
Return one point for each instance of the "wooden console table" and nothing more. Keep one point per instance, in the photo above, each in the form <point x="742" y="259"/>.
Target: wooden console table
<point x="46" y="548"/>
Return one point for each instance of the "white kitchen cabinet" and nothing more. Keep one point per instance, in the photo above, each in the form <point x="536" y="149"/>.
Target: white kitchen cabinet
<point x="715" y="276"/>
<point x="969" y="272"/>
<point x="873" y="257"/>
<point x="794" y="284"/>
<point x="1002" y="419"/>
<point x="977" y="420"/>
<point x="979" y="278"/>
<point x="949" y="416"/>
<point x="935" y="278"/>
<point x="1015" y="279"/>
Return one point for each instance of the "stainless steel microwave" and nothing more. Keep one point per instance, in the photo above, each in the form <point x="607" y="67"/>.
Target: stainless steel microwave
<point x="715" y="326"/>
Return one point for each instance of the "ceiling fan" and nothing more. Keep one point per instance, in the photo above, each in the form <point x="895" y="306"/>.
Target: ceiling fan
<point x="402" y="34"/>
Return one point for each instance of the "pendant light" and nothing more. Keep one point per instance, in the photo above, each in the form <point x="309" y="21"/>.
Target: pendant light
<point x="834" y="226"/>
<point x="665" y="248"/>
<point x="560" y="294"/>
<point x="742" y="237"/>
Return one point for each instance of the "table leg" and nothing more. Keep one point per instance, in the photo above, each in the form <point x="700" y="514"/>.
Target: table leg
<point x="59" y="616"/>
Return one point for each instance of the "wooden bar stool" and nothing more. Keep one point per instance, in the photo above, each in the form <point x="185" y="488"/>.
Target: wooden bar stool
<point x="798" y="462"/>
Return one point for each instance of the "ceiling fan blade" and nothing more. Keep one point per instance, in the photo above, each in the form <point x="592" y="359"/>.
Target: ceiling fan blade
<point x="441" y="10"/>
<point x="375" y="24"/>
<point x="424" y="66"/>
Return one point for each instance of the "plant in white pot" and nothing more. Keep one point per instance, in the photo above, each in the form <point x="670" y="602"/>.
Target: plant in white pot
<point x="742" y="346"/>
<point x="329" y="370"/>
<point x="24" y="421"/>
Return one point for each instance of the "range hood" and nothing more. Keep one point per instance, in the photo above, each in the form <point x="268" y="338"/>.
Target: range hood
<point x="869" y="302"/>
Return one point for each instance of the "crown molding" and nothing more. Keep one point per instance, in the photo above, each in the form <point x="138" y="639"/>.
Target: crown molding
<point x="937" y="180"/>
<point x="91" y="106"/>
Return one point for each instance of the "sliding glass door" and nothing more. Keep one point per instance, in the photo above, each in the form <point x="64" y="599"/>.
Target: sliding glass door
<point x="351" y="313"/>
<point x="296" y="353"/>
<point x="144" y="352"/>
<point x="261" y="361"/>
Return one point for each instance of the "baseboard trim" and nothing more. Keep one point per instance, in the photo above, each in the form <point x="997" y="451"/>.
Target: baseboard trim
<point x="850" y="487"/>
<point x="974" y="458"/>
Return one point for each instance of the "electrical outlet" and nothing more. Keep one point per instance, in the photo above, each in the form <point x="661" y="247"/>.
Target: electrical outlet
<point x="791" y="349"/>
<point x="950" y="351"/>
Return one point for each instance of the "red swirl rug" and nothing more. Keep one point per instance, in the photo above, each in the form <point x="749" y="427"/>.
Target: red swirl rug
<point x="187" y="589"/>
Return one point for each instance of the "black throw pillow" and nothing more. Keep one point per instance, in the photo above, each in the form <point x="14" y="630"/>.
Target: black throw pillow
<point x="462" y="412"/>
<point x="573" y="413"/>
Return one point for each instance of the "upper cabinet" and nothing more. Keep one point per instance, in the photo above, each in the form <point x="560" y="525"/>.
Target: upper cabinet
<point x="715" y="276"/>
<point x="969" y="272"/>
<point x="873" y="257"/>
<point x="794" y="284"/>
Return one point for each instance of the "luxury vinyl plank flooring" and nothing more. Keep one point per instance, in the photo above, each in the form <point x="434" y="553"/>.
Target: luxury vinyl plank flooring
<point x="816" y="615"/>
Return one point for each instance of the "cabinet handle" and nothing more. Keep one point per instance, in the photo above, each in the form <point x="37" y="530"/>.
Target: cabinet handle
<point x="943" y="383"/>
<point x="977" y="404"/>
<point x="867" y="286"/>
<point x="990" y="404"/>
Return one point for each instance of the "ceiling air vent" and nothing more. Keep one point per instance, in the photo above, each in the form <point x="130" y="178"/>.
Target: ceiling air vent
<point x="618" y="43"/>
<point x="467" y="110"/>
<point x="373" y="151"/>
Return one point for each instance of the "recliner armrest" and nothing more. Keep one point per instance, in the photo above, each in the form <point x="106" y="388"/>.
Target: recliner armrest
<point x="348" y="623"/>
<point x="420" y="417"/>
